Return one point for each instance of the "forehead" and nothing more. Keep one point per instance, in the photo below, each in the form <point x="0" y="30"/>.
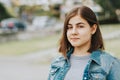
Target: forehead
<point x="76" y="19"/>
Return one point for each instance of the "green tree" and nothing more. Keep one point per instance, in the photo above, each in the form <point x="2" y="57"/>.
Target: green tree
<point x="55" y="10"/>
<point x="109" y="7"/>
<point x="115" y="3"/>
<point x="3" y="12"/>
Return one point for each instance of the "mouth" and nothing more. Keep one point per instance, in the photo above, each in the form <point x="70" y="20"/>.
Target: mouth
<point x="74" y="39"/>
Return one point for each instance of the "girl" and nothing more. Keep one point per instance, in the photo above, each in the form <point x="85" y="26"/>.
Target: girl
<point x="83" y="56"/>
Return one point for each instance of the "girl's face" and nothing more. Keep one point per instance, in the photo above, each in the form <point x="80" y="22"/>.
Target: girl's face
<point x="79" y="32"/>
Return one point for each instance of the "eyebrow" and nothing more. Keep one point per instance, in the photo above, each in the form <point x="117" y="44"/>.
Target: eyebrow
<point x="77" y="23"/>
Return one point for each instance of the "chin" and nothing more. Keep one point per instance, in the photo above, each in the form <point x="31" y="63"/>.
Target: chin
<point x="75" y="45"/>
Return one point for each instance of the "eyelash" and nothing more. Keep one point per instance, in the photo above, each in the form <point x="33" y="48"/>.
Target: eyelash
<point x="79" y="26"/>
<point x="69" y="27"/>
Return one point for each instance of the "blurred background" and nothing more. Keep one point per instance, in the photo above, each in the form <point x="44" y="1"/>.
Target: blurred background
<point x="30" y="31"/>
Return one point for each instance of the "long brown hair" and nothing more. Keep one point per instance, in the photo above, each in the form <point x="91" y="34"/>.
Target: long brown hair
<point x="90" y="17"/>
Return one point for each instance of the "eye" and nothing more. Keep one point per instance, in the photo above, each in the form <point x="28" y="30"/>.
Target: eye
<point x="80" y="26"/>
<point x="69" y="27"/>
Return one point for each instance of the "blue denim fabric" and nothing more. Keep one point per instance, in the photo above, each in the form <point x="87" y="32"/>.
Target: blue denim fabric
<point x="101" y="66"/>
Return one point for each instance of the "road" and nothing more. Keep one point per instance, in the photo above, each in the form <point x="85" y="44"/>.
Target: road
<point x="20" y="71"/>
<point x="33" y="66"/>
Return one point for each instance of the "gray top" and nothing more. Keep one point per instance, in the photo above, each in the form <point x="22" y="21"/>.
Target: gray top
<point x="78" y="64"/>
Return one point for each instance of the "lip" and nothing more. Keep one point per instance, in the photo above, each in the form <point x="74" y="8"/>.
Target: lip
<point x="74" y="39"/>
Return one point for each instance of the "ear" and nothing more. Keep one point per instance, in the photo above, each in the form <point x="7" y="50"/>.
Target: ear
<point x="93" y="29"/>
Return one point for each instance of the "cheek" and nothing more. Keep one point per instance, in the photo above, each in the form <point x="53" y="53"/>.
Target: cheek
<point x="68" y="34"/>
<point x="85" y="34"/>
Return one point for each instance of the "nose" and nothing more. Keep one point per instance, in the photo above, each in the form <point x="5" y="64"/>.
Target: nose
<point x="74" y="31"/>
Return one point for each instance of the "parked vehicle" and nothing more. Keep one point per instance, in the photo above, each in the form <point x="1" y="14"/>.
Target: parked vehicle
<point x="40" y="22"/>
<point x="12" y="24"/>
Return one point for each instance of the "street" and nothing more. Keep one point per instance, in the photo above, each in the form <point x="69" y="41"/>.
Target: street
<point x="21" y="71"/>
<point x="33" y="66"/>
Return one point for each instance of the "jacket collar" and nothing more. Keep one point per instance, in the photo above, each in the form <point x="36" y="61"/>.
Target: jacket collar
<point x="69" y="53"/>
<point x="95" y="55"/>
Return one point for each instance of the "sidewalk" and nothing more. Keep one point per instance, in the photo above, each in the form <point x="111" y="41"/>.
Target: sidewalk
<point x="33" y="66"/>
<point x="112" y="35"/>
<point x="19" y="71"/>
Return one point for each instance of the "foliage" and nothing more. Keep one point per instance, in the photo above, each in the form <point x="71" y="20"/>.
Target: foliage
<point x="109" y="8"/>
<point x="3" y="12"/>
<point x="29" y="46"/>
<point x="55" y="10"/>
<point x="39" y="11"/>
<point x="115" y="3"/>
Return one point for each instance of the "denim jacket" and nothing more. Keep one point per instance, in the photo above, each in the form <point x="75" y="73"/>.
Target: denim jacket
<point x="101" y="66"/>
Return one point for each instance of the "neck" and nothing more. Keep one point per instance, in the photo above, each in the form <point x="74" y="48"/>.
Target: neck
<point x="81" y="50"/>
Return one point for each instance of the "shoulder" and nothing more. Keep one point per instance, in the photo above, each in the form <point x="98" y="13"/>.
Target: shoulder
<point x="103" y="57"/>
<point x="55" y="66"/>
<point x="108" y="64"/>
<point x="112" y="65"/>
<point x="109" y="60"/>
<point x="108" y="57"/>
<point x="58" y="61"/>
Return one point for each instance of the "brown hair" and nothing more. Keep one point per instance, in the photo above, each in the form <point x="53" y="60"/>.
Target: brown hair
<point x="90" y="17"/>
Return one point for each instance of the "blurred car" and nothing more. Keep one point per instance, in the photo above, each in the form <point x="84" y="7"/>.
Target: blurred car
<point x="12" y="24"/>
<point x="40" y="22"/>
<point x="51" y="22"/>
